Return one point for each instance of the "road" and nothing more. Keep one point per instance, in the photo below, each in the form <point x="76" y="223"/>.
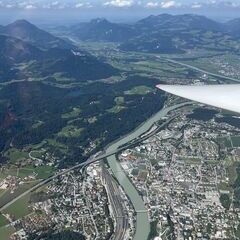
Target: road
<point x="117" y="204"/>
<point x="200" y="70"/>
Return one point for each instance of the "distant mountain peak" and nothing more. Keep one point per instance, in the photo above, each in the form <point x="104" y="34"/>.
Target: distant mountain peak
<point x="26" y="31"/>
<point x="100" y="21"/>
<point x="21" y="22"/>
<point x="100" y="29"/>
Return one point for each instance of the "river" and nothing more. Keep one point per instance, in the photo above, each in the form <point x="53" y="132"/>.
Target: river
<point x="142" y="223"/>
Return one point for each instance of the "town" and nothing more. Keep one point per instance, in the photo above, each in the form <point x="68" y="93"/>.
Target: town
<point x="182" y="173"/>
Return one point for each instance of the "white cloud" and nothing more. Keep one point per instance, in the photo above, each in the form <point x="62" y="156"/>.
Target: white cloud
<point x="79" y="5"/>
<point x="119" y="3"/>
<point x="10" y="6"/>
<point x="196" y="5"/>
<point x="169" y="4"/>
<point x="30" y="6"/>
<point x="220" y="4"/>
<point x="82" y="5"/>
<point x="152" y="5"/>
<point x="56" y="3"/>
<point x="232" y="4"/>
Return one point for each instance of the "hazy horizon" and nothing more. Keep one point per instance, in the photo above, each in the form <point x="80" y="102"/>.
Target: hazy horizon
<point x="52" y="12"/>
<point x="55" y="18"/>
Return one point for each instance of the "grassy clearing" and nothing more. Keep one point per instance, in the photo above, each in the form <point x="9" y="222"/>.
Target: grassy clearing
<point x="59" y="77"/>
<point x="3" y="221"/>
<point x="225" y="142"/>
<point x="116" y="109"/>
<point x="14" y="155"/>
<point x="232" y="173"/>
<point x="70" y="131"/>
<point x="236" y="141"/>
<point x="7" y="196"/>
<point x="2" y="192"/>
<point x="44" y="171"/>
<point x="37" y="153"/>
<point x="25" y="172"/>
<point x="119" y="100"/>
<point x="6" y="232"/>
<point x="139" y="90"/>
<point x="37" y="124"/>
<point x="154" y="161"/>
<point x="53" y="143"/>
<point x="18" y="172"/>
<point x="11" y="171"/>
<point x="74" y="113"/>
<point x="92" y="120"/>
<point x="190" y="160"/>
<point x="157" y="68"/>
<point x="37" y="146"/>
<point x="119" y="105"/>
<point x="19" y="209"/>
<point x="223" y="186"/>
<point x="229" y="142"/>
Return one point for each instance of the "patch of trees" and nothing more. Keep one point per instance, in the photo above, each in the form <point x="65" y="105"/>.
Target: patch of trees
<point x="237" y="231"/>
<point x="36" y="135"/>
<point x="39" y="197"/>
<point x="114" y="125"/>
<point x="6" y="71"/>
<point x="74" y="156"/>
<point x="233" y="121"/>
<point x="202" y="114"/>
<point x="64" y="235"/>
<point x="81" y="68"/>
<point x="153" y="230"/>
<point x="225" y="201"/>
<point x="236" y="187"/>
<point x="31" y="102"/>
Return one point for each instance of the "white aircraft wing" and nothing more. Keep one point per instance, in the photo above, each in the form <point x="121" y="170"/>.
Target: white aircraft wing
<point x="222" y="96"/>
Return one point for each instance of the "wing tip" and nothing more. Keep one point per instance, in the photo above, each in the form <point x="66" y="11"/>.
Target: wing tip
<point x="160" y="86"/>
<point x="163" y="87"/>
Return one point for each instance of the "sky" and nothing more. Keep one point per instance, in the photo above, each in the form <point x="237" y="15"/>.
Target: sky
<point x="70" y="11"/>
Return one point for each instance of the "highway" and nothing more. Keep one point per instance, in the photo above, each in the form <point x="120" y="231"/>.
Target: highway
<point x="117" y="205"/>
<point x="200" y="70"/>
<point x="42" y="183"/>
<point x="89" y="161"/>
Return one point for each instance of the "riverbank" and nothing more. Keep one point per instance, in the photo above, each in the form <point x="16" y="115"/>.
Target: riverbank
<point x="142" y="220"/>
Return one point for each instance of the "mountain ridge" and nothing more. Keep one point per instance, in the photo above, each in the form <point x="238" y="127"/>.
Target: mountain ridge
<point x="26" y="31"/>
<point x="233" y="27"/>
<point x="100" y="29"/>
<point x="163" y="33"/>
<point x="75" y="64"/>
